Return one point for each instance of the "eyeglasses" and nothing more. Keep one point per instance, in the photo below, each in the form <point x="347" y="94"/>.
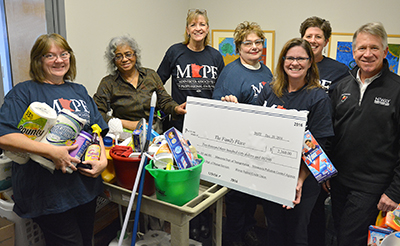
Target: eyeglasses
<point x="52" y="57"/>
<point x="127" y="55"/>
<point x="291" y="59"/>
<point x="200" y="11"/>
<point x="248" y="43"/>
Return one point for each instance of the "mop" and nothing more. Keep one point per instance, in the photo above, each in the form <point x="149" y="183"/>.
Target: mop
<point x="146" y="147"/>
<point x="140" y="172"/>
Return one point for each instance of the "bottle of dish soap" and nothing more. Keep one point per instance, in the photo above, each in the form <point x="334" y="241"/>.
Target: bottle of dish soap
<point x="94" y="150"/>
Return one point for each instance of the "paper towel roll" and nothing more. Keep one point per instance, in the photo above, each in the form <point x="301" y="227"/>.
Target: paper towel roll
<point x="35" y="123"/>
<point x="66" y="128"/>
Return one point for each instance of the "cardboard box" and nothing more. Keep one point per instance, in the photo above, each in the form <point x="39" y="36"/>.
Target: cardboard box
<point x="316" y="159"/>
<point x="389" y="220"/>
<point x="179" y="148"/>
<point x="137" y="141"/>
<point x="376" y="235"/>
<point x="7" y="232"/>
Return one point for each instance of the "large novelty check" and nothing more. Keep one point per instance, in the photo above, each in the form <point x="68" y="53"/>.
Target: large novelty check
<point x="249" y="148"/>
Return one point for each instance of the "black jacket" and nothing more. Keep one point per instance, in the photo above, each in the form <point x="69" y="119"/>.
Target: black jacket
<point x="365" y="149"/>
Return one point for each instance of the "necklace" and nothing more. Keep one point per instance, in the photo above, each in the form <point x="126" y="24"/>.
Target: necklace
<point x="195" y="48"/>
<point x="134" y="74"/>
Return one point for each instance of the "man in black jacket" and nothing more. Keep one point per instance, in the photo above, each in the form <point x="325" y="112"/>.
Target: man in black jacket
<point x="365" y="149"/>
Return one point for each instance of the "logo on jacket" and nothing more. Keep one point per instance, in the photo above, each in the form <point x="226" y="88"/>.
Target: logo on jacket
<point x="382" y="101"/>
<point x="344" y="97"/>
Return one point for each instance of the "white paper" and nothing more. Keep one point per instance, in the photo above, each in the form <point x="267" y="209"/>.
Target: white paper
<point x="253" y="149"/>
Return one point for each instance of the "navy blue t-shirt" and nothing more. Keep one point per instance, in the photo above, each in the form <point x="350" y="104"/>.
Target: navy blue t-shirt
<point x="242" y="82"/>
<point x="36" y="190"/>
<point x="315" y="101"/>
<point x="330" y="72"/>
<point x="319" y="121"/>
<point x="192" y="73"/>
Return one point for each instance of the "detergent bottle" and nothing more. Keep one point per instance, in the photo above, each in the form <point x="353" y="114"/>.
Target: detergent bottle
<point x="108" y="174"/>
<point x="94" y="150"/>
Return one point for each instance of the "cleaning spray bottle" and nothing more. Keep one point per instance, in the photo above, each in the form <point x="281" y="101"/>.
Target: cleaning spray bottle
<point x="94" y="150"/>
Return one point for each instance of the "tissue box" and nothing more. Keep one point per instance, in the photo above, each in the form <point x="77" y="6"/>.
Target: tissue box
<point x="179" y="148"/>
<point x="316" y="159"/>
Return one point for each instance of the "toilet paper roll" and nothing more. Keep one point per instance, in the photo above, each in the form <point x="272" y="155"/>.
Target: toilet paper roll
<point x="63" y="133"/>
<point x="35" y="124"/>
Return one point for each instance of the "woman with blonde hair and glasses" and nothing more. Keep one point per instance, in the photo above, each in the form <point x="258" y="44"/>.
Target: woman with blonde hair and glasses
<point x="296" y="86"/>
<point x="193" y="65"/>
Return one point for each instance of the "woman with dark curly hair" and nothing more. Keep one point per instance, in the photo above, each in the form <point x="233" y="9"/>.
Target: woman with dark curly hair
<point x="128" y="88"/>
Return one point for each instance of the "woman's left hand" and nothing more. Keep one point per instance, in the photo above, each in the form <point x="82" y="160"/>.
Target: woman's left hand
<point x="97" y="168"/>
<point x="181" y="109"/>
<point x="303" y="174"/>
<point x="297" y="200"/>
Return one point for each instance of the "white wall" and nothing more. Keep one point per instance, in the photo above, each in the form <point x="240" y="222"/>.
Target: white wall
<point x="156" y="24"/>
<point x="90" y="24"/>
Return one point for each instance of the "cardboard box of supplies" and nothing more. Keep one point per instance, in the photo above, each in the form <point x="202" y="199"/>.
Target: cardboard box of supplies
<point x="316" y="159"/>
<point x="179" y="148"/>
<point x="7" y="233"/>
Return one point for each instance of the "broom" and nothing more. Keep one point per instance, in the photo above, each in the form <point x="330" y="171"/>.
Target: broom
<point x="140" y="173"/>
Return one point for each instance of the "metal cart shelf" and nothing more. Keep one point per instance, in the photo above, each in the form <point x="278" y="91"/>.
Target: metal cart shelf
<point x="179" y="216"/>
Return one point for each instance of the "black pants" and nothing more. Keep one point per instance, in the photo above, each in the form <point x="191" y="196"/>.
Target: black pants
<point x="71" y="228"/>
<point x="353" y="212"/>
<point x="288" y="227"/>
<point x="240" y="209"/>
<point x="317" y="225"/>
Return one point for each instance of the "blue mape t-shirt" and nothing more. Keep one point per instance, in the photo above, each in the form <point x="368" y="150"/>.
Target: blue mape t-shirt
<point x="244" y="83"/>
<point x="192" y="73"/>
<point x="319" y="121"/>
<point x="36" y="190"/>
<point x="330" y="72"/>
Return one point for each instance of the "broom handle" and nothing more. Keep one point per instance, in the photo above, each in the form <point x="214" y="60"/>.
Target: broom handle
<point x="146" y="146"/>
<point x="131" y="200"/>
